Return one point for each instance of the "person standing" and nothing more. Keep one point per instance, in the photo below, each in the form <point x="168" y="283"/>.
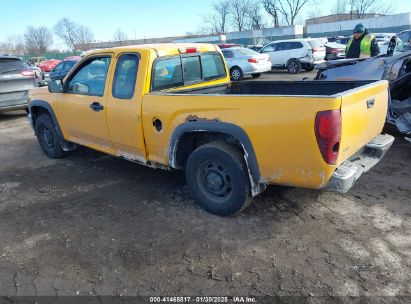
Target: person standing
<point x="362" y="44"/>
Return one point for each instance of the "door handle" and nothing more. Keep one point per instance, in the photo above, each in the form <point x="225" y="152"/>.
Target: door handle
<point x="96" y="106"/>
<point x="370" y="103"/>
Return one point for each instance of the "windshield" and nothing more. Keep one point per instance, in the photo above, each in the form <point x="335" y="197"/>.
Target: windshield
<point x="9" y="65"/>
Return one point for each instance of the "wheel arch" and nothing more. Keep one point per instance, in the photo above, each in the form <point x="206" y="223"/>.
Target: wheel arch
<point x="38" y="107"/>
<point x="185" y="138"/>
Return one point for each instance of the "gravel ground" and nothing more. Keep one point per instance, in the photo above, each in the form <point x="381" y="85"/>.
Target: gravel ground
<point x="91" y="224"/>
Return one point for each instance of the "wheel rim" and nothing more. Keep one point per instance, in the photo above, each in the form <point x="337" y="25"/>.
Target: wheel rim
<point x="215" y="181"/>
<point x="292" y="67"/>
<point x="47" y="137"/>
<point x="236" y="74"/>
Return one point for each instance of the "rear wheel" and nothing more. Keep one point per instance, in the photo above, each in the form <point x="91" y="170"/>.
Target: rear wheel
<point x="236" y="74"/>
<point x="47" y="137"/>
<point x="294" y="66"/>
<point x="217" y="178"/>
<point x="256" y="75"/>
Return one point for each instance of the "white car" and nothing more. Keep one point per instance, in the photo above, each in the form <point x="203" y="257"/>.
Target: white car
<point x="243" y="61"/>
<point x="295" y="54"/>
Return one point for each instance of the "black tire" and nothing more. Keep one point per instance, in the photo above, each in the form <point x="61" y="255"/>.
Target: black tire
<point x="256" y="75"/>
<point x="293" y="66"/>
<point x="309" y="68"/>
<point x="218" y="180"/>
<point x="236" y="74"/>
<point x="47" y="137"/>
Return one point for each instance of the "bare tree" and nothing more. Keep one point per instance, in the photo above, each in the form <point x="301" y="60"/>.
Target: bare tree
<point x="363" y="7"/>
<point x="239" y="13"/>
<point x="290" y="9"/>
<point x="15" y="44"/>
<point x="120" y="36"/>
<point x="84" y="37"/>
<point x="221" y="11"/>
<point x="38" y="39"/>
<point x="255" y="17"/>
<point x="66" y="30"/>
<point x="271" y="7"/>
<point x="73" y="34"/>
<point x="340" y="7"/>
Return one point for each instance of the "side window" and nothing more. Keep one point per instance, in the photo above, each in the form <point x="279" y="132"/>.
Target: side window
<point x="228" y="54"/>
<point x="191" y="69"/>
<point x="125" y="76"/>
<point x="59" y="67"/>
<point x="296" y="45"/>
<point x="282" y="46"/>
<point x="90" y="79"/>
<point x="269" y="48"/>
<point x="213" y="66"/>
<point x="167" y="74"/>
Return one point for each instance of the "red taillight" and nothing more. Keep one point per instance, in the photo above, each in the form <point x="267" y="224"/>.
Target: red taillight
<point x="336" y="50"/>
<point x="253" y="60"/>
<point x="187" y="50"/>
<point x="328" y="133"/>
<point x="27" y="73"/>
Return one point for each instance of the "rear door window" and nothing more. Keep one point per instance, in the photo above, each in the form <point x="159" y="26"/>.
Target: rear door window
<point x="191" y="69"/>
<point x="11" y="65"/>
<point x="168" y="74"/>
<point x="179" y="71"/>
<point x="213" y="66"/>
<point x="228" y="54"/>
<point x="125" y="76"/>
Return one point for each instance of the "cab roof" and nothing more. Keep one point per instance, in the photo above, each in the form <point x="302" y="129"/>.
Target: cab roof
<point x="162" y="49"/>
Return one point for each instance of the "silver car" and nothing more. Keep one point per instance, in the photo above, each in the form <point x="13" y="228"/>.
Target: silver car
<point x="243" y="61"/>
<point x="16" y="79"/>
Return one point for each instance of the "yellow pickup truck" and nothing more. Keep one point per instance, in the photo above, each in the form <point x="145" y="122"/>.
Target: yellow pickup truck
<point x="172" y="106"/>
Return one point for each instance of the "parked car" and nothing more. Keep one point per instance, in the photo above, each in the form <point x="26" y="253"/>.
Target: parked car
<point x="232" y="139"/>
<point x="382" y="38"/>
<point x="405" y="36"/>
<point x="256" y="48"/>
<point x="227" y="45"/>
<point x="334" y="51"/>
<point x="16" y="79"/>
<point x="295" y="54"/>
<point x="48" y="65"/>
<point x="61" y="70"/>
<point x="36" y="60"/>
<point x="343" y="40"/>
<point x="244" y="61"/>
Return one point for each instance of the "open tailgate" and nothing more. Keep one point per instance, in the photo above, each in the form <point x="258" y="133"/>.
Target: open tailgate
<point x="363" y="113"/>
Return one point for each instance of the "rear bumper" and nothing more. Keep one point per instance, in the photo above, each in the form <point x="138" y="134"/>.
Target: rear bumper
<point x="347" y="174"/>
<point x="13" y="100"/>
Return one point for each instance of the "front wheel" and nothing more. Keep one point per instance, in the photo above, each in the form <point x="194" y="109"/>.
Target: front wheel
<point x="47" y="137"/>
<point x="217" y="178"/>
<point x="293" y="66"/>
<point x="236" y="74"/>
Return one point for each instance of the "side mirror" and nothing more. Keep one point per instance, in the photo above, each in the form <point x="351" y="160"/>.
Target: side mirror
<point x="56" y="86"/>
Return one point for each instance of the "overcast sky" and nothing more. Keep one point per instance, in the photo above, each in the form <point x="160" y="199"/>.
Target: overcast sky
<point x="137" y="18"/>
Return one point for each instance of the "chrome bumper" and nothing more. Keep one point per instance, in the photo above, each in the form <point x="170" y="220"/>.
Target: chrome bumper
<point x="347" y="174"/>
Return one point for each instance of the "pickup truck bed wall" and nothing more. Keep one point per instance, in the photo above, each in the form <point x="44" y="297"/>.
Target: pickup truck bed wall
<point x="289" y="88"/>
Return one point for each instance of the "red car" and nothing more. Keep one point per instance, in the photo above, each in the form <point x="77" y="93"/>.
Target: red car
<point x="48" y="65"/>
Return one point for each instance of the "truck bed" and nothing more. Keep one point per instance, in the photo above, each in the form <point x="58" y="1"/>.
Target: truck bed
<point x="283" y="88"/>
